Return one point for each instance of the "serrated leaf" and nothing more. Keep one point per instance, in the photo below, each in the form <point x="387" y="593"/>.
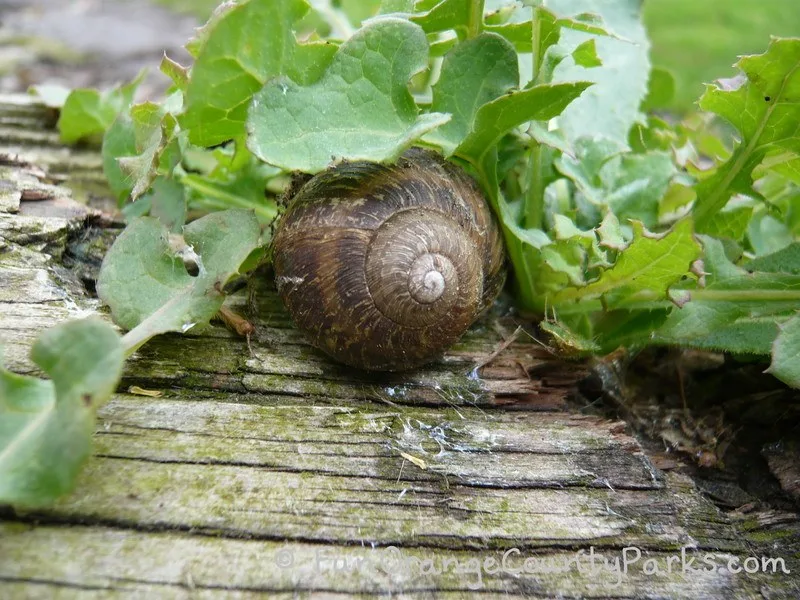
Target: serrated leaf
<point x="585" y="54"/>
<point x="118" y="141"/>
<point x="636" y="183"/>
<point x="610" y="233"/>
<point x="651" y="263"/>
<point x="175" y="71"/>
<point x="611" y="106"/>
<point x="473" y="73"/>
<point x="46" y="427"/>
<point x="242" y="48"/>
<point x="737" y="310"/>
<point x="786" y="261"/>
<point x="359" y="110"/>
<point x="147" y="287"/>
<point x="543" y="31"/>
<point x="786" y="353"/>
<point x="631" y="185"/>
<point x="568" y="341"/>
<point x="764" y="106"/>
<point x="196" y="44"/>
<point x="731" y="222"/>
<point x="155" y="130"/>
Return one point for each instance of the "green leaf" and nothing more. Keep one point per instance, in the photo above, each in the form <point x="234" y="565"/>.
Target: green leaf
<point x="537" y="103"/>
<point x="567" y="340"/>
<point x="473" y="73"/>
<point x="46" y="427"/>
<point x="445" y="15"/>
<point x="611" y="106"/>
<point x="767" y="234"/>
<point x="155" y="130"/>
<point x="147" y="287"/>
<point x="660" y="89"/>
<point x="731" y="222"/>
<point x="585" y="54"/>
<point x="626" y="328"/>
<point x="522" y="34"/>
<point x="231" y="187"/>
<point x="737" y="310"/>
<point x="786" y="261"/>
<point x="763" y="103"/>
<point x="786" y="353"/>
<point x="176" y="72"/>
<point x="168" y="203"/>
<point x="87" y="114"/>
<point x="119" y="141"/>
<point x="518" y="34"/>
<point x="240" y="50"/>
<point x="651" y="263"/>
<point x="359" y="110"/>
<point x="631" y="185"/>
<point x="786" y="164"/>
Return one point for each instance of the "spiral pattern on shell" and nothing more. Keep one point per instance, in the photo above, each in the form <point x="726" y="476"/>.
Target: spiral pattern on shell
<point x="385" y="266"/>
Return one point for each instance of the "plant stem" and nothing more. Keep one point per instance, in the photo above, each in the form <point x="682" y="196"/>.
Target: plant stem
<point x="534" y="195"/>
<point x="536" y="56"/>
<point x="533" y="215"/>
<point x="475" y="24"/>
<point x="267" y="211"/>
<point x="515" y="249"/>
<point x="649" y="300"/>
<point x="135" y="339"/>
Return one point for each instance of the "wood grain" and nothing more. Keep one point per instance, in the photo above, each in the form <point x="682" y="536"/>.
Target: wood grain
<point x="274" y="472"/>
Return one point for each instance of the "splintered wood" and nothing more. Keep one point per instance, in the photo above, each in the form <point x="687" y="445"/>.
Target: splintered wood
<point x="267" y="469"/>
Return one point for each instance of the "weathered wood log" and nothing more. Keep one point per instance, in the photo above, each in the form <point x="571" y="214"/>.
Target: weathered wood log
<point x="270" y="470"/>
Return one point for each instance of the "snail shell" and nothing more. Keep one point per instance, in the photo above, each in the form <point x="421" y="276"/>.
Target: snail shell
<point x="385" y="266"/>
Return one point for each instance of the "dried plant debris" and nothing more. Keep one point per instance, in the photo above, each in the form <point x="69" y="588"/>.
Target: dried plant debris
<point x="718" y="418"/>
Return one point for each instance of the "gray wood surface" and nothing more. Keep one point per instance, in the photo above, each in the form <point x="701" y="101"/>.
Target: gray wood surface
<point x="271" y="471"/>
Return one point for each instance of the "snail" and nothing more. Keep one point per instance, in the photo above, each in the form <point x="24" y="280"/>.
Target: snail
<point x="385" y="266"/>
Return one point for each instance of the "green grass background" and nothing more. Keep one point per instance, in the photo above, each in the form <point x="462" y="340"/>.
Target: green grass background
<point x="696" y="40"/>
<point x="699" y="40"/>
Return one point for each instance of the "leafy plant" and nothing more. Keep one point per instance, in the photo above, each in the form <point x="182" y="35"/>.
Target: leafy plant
<point x="621" y="228"/>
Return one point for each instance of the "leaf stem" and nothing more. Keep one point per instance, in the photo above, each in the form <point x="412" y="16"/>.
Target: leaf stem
<point x="533" y="214"/>
<point x="475" y="23"/>
<point x="536" y="55"/>
<point x="649" y="300"/>
<point x="135" y="339"/>
<point x="524" y="277"/>
<point x="266" y="211"/>
<point x="534" y="195"/>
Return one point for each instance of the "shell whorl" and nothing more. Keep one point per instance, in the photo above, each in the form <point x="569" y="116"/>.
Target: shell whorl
<point x="384" y="266"/>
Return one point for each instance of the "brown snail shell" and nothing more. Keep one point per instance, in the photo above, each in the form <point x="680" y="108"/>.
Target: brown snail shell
<point x="385" y="266"/>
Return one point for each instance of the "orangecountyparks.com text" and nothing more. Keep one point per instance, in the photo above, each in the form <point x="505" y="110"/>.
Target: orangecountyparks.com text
<point x="604" y="569"/>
